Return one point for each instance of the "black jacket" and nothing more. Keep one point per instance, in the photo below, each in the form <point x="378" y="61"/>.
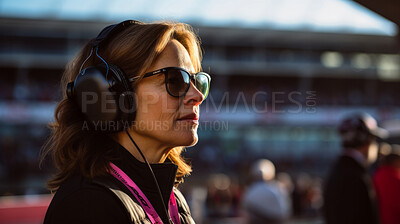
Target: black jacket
<point x="349" y="196"/>
<point x="105" y="200"/>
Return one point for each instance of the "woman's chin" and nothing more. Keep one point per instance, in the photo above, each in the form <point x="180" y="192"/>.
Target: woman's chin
<point x="188" y="138"/>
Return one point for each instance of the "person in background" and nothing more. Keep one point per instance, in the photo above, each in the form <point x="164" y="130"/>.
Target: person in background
<point x="387" y="184"/>
<point x="266" y="200"/>
<point x="349" y="196"/>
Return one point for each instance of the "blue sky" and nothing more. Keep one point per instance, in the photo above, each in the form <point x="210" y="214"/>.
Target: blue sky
<point x="343" y="16"/>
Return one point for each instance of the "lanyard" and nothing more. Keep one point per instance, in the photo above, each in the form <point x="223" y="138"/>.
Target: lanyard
<point x="142" y="199"/>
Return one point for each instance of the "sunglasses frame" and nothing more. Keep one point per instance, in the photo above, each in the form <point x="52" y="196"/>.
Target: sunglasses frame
<point x="191" y="78"/>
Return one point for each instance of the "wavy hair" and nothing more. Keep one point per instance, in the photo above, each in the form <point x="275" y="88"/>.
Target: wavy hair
<point x="134" y="50"/>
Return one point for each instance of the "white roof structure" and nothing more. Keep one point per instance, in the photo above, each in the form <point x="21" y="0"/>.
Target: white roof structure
<point x="339" y="16"/>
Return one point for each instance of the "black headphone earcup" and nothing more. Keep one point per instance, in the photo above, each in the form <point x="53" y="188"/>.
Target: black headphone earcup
<point x="104" y="98"/>
<point x="127" y="102"/>
<point x="92" y="94"/>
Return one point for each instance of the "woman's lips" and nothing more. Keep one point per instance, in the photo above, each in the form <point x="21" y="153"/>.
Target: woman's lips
<point x="194" y="118"/>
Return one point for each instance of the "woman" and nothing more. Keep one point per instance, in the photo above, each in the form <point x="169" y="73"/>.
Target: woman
<point x="104" y="175"/>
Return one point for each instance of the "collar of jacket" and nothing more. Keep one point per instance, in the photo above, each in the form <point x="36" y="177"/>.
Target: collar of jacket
<point x="141" y="175"/>
<point x="138" y="171"/>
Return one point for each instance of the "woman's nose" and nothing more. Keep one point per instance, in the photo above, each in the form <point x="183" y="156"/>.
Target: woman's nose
<point x="193" y="96"/>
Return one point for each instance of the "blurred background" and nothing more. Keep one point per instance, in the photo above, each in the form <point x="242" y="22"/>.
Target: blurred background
<point x="284" y="72"/>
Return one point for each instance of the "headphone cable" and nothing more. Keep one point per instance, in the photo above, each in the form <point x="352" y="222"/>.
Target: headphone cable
<point x="152" y="173"/>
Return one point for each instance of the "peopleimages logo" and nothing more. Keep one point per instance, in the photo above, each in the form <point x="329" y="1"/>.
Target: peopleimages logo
<point x="261" y="102"/>
<point x="258" y="102"/>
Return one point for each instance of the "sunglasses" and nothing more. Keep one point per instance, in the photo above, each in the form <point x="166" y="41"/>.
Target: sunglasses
<point x="177" y="81"/>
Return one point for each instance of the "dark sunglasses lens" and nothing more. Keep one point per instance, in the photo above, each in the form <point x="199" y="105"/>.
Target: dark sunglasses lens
<point x="203" y="83"/>
<point x="178" y="82"/>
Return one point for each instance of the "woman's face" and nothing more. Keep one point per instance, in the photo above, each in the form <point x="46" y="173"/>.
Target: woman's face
<point x="161" y="118"/>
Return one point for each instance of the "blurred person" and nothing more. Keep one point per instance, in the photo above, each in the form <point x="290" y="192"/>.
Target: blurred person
<point x="219" y="196"/>
<point x="349" y="196"/>
<point x="286" y="181"/>
<point x="149" y="77"/>
<point x="300" y="203"/>
<point x="266" y="200"/>
<point x="387" y="184"/>
<point x="314" y="197"/>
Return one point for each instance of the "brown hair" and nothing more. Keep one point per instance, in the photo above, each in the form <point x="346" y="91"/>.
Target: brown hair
<point x="134" y="50"/>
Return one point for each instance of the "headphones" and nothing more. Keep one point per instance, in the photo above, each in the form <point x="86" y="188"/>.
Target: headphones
<point x="103" y="91"/>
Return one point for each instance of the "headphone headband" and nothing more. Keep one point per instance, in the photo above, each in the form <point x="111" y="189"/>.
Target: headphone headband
<point x="93" y="86"/>
<point x="110" y="31"/>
